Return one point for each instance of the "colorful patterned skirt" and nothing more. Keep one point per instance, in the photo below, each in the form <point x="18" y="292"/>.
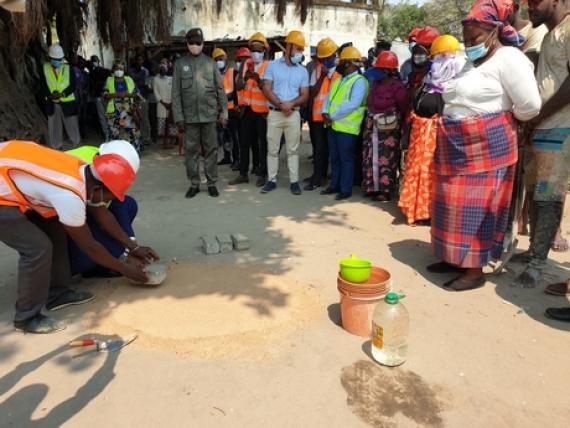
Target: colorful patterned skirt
<point x="380" y="158"/>
<point x="470" y="216"/>
<point x="416" y="192"/>
<point x="122" y="125"/>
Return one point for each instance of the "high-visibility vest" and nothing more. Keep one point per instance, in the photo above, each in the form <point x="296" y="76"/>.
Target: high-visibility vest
<point x="253" y="96"/>
<point x="340" y="94"/>
<point x="241" y="92"/>
<point x="319" y="100"/>
<point x="229" y="86"/>
<point x="59" y="82"/>
<point x="110" y="87"/>
<point x="46" y="164"/>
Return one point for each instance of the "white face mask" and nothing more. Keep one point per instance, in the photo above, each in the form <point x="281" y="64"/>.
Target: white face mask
<point x="119" y="73"/>
<point x="221" y="64"/>
<point x="195" y="49"/>
<point x="238" y="64"/>
<point x="257" y="57"/>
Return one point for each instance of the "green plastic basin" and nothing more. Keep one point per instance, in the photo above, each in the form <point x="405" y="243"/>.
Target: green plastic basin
<point x="355" y="270"/>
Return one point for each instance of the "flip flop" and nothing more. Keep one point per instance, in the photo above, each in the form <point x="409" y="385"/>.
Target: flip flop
<point x="459" y="284"/>
<point x="559" y="245"/>
<point x="558" y="289"/>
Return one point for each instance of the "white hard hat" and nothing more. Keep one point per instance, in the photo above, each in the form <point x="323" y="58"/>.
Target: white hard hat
<point x="124" y="149"/>
<point x="55" y="51"/>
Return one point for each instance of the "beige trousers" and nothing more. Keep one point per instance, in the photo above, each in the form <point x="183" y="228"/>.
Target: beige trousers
<point x="278" y="125"/>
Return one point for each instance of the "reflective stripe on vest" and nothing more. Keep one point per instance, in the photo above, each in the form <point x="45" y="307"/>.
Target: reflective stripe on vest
<point x="319" y="100"/>
<point x="253" y="96"/>
<point x="110" y="87"/>
<point x="46" y="164"/>
<point x="60" y="82"/>
<point x="340" y="94"/>
<point x="229" y="86"/>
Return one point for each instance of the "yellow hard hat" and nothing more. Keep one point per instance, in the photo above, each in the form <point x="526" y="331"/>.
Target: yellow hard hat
<point x="295" y="38"/>
<point x="219" y="52"/>
<point x="350" y="53"/>
<point x="258" y="37"/>
<point x="444" y="44"/>
<point x="326" y="48"/>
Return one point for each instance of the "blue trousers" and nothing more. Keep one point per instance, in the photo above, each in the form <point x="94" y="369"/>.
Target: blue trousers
<point x="125" y="213"/>
<point x="341" y="152"/>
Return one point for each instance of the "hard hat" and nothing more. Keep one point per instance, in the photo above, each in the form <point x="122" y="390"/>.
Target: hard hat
<point x="350" y="53"/>
<point x="243" y="53"/>
<point x="219" y="52"/>
<point x="258" y="37"/>
<point x="326" y="48"/>
<point x="115" y="173"/>
<point x="444" y="44"/>
<point x="426" y="36"/>
<point x="124" y="149"/>
<point x="414" y="34"/>
<point x="387" y="60"/>
<point x="295" y="38"/>
<point x="55" y="51"/>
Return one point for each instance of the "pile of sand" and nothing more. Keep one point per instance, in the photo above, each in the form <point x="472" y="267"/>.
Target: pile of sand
<point x="208" y="311"/>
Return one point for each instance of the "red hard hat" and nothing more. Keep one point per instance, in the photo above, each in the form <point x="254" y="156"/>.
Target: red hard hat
<point x="243" y="52"/>
<point x="115" y="173"/>
<point x="387" y="59"/>
<point x="414" y="34"/>
<point x="426" y="36"/>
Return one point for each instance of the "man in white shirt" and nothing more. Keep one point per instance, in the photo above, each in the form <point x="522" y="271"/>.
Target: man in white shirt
<point x="44" y="195"/>
<point x="162" y="87"/>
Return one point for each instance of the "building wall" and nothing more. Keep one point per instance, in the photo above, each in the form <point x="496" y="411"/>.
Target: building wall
<point x="241" y="18"/>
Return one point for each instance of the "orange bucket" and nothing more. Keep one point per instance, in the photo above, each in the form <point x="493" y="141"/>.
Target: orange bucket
<point x="357" y="301"/>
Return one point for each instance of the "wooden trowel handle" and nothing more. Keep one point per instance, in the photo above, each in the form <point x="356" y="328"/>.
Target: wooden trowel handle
<point x="83" y="342"/>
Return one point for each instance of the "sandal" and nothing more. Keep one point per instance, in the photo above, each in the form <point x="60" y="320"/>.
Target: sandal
<point x="558" y="289"/>
<point x="443" y="267"/>
<point x="560" y="245"/>
<point x="459" y="284"/>
<point x="382" y="198"/>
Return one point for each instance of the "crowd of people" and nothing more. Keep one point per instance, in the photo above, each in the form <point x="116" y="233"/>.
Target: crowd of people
<point x="450" y="134"/>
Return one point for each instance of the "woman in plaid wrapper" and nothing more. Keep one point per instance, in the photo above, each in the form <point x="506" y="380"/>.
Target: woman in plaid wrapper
<point x="477" y="145"/>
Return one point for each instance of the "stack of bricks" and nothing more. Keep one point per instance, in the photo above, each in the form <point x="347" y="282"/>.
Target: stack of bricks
<point x="224" y="243"/>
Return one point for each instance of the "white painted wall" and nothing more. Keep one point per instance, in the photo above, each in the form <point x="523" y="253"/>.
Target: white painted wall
<point x="242" y="18"/>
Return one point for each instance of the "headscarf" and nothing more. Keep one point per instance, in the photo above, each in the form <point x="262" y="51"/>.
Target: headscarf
<point x="494" y="14"/>
<point x="444" y="67"/>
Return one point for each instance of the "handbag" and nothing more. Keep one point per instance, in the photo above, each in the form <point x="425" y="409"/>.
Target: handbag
<point x="387" y="121"/>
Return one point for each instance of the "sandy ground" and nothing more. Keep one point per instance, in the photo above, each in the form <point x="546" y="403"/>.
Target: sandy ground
<point x="252" y="338"/>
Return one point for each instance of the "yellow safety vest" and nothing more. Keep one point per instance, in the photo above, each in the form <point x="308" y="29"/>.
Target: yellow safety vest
<point x="60" y="82"/>
<point x="339" y="94"/>
<point x="110" y="86"/>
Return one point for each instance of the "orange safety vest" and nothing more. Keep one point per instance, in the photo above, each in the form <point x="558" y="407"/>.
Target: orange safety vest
<point x="241" y="92"/>
<point x="319" y="100"/>
<point x="46" y="164"/>
<point x="253" y="96"/>
<point x="229" y="86"/>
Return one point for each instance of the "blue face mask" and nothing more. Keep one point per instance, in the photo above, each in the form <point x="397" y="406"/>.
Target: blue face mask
<point x="479" y="51"/>
<point x="330" y="63"/>
<point x="56" y="63"/>
<point x="297" y="58"/>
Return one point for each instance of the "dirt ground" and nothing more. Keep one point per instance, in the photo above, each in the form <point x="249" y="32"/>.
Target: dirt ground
<point x="253" y="339"/>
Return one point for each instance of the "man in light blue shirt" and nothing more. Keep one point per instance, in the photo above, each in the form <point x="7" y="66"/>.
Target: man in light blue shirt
<point x="286" y="86"/>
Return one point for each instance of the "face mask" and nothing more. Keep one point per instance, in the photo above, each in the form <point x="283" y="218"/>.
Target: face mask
<point x="221" y="64"/>
<point x="330" y="63"/>
<point x="56" y="63"/>
<point x="411" y="46"/>
<point x="238" y="64"/>
<point x="297" y="58"/>
<point x="420" y="59"/>
<point x="341" y="68"/>
<point x="257" y="57"/>
<point x="119" y="73"/>
<point x="196" y="49"/>
<point x="95" y="65"/>
<point x="90" y="202"/>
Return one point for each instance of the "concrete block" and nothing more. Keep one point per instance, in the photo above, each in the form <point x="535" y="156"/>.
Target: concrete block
<point x="210" y="245"/>
<point x="240" y="241"/>
<point x="225" y="242"/>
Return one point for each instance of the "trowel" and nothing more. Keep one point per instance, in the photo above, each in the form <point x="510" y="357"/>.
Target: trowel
<point x="103" y="345"/>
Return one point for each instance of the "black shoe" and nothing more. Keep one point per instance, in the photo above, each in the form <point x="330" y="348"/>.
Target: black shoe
<point x="192" y="191"/>
<point x="311" y="186"/>
<point x="39" y="324"/>
<point x="341" y="196"/>
<point x="559" y="314"/>
<point x="329" y="191"/>
<point x="225" y="162"/>
<point x="235" y="166"/>
<point x="295" y="188"/>
<point x="69" y="298"/>
<point x="213" y="192"/>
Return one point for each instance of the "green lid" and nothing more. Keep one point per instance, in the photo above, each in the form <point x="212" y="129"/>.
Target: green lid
<point x="393" y="298"/>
